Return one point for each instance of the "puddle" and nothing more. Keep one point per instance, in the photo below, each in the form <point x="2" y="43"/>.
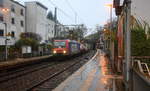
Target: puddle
<point x="108" y="81"/>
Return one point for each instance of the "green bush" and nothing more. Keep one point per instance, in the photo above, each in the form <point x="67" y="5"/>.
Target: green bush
<point x="140" y="44"/>
<point x="28" y="39"/>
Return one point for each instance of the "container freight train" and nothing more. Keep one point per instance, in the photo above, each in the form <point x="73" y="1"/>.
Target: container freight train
<point x="68" y="47"/>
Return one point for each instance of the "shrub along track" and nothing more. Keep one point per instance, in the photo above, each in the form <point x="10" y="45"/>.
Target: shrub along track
<point x="39" y="74"/>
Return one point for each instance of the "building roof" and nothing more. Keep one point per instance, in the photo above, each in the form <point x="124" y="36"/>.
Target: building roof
<point x="43" y="6"/>
<point x="17" y="3"/>
<point x="38" y="3"/>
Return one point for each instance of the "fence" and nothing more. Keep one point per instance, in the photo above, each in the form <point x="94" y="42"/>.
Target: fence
<point x="140" y="73"/>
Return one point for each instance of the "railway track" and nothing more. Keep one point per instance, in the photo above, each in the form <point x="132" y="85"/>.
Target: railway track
<point x="23" y="71"/>
<point x="51" y="77"/>
<point x="34" y="76"/>
<point x="26" y="69"/>
<point x="51" y="82"/>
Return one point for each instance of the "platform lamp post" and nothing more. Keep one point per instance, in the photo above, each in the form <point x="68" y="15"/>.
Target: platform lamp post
<point x="110" y="6"/>
<point x="111" y="43"/>
<point x="105" y="45"/>
<point x="5" y="11"/>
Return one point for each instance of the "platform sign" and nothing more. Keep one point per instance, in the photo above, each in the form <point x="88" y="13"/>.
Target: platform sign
<point x="29" y="50"/>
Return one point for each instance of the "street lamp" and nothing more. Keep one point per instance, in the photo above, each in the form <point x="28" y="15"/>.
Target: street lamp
<point x="5" y="11"/>
<point x="110" y="6"/>
<point x="111" y="43"/>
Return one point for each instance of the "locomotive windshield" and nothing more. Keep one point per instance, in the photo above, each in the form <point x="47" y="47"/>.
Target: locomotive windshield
<point x="60" y="44"/>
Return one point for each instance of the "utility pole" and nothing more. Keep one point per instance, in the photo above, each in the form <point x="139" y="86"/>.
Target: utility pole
<point x="128" y="43"/>
<point x="5" y="11"/>
<point x="111" y="42"/>
<point x="55" y="19"/>
<point x="75" y="18"/>
<point x="6" y="50"/>
<point x="110" y="27"/>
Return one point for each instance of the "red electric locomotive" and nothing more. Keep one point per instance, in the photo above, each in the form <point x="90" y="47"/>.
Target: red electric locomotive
<point x="66" y="47"/>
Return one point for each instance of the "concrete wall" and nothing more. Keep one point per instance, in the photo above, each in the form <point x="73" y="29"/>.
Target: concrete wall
<point x="36" y="19"/>
<point x="41" y="22"/>
<point x="140" y="9"/>
<point x="31" y="15"/>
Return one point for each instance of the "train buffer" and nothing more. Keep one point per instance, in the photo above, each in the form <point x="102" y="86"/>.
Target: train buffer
<point x="93" y="76"/>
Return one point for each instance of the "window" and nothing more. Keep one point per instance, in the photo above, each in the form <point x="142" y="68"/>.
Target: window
<point x="12" y="8"/>
<point x="13" y="34"/>
<point x="1" y="3"/>
<point x="60" y="44"/>
<point x="1" y="17"/>
<point x="21" y="12"/>
<point x="13" y="20"/>
<point x="1" y="32"/>
<point x="22" y="23"/>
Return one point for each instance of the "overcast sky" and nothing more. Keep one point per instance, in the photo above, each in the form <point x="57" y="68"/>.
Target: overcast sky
<point x="89" y="12"/>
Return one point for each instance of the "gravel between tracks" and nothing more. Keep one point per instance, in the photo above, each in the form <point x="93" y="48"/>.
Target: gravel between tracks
<point x="53" y="82"/>
<point x="30" y="77"/>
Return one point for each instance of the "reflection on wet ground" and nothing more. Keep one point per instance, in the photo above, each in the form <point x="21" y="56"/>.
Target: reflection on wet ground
<point x="109" y="80"/>
<point x="96" y="75"/>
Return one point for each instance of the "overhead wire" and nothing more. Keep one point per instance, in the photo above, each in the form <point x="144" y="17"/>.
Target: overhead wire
<point x="74" y="10"/>
<point x="62" y="11"/>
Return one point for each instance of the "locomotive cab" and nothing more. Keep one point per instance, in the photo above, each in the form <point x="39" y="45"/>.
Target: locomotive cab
<point x="60" y="47"/>
<point x="66" y="47"/>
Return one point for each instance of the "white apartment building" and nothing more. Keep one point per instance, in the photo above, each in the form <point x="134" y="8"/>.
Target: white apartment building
<point x="36" y="21"/>
<point x="60" y="30"/>
<point x="50" y="29"/>
<point x="65" y="32"/>
<point x="14" y="18"/>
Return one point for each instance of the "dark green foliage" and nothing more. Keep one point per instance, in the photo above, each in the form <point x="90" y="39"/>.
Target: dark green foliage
<point x="2" y="48"/>
<point x="27" y="42"/>
<point x="28" y="39"/>
<point x="31" y="35"/>
<point x="50" y="16"/>
<point x="140" y="45"/>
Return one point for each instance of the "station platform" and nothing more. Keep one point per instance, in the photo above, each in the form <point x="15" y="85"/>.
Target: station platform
<point x="96" y="75"/>
<point x="19" y="61"/>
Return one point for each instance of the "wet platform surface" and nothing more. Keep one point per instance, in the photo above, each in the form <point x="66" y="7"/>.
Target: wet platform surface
<point x="96" y="75"/>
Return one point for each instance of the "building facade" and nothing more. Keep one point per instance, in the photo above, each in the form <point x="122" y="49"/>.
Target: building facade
<point x="32" y="17"/>
<point x="36" y="21"/>
<point x="50" y="29"/>
<point x="59" y="30"/>
<point x="12" y="18"/>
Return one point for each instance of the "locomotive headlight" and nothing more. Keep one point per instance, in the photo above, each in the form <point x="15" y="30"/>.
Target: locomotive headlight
<point x="54" y="52"/>
<point x="64" y="52"/>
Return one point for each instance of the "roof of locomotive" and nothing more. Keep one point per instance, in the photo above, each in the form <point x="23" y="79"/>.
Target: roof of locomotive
<point x="68" y="40"/>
